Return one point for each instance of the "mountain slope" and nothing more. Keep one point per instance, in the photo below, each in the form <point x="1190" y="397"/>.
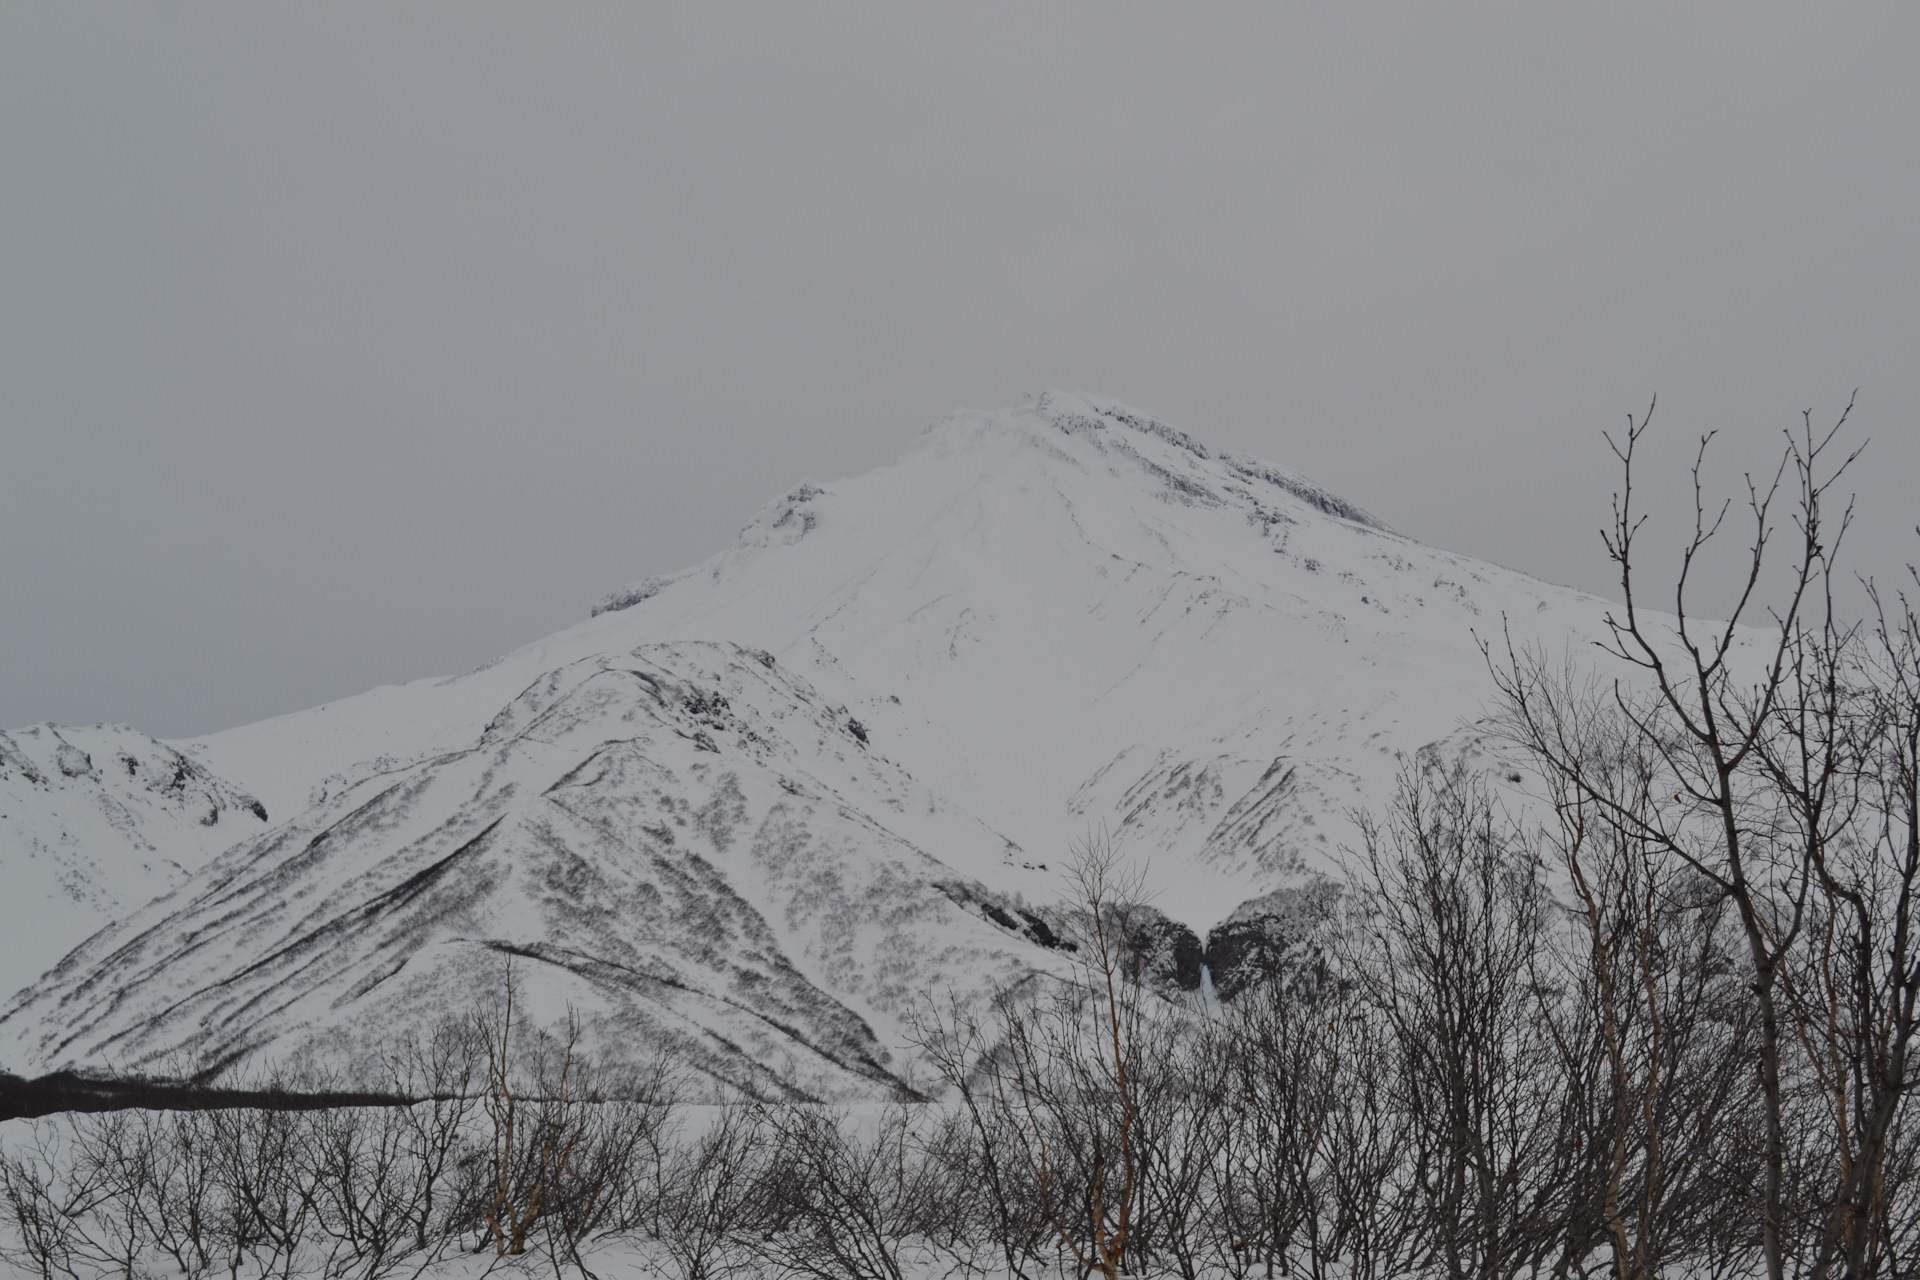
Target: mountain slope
<point x="94" y="822"/>
<point x="1036" y="612"/>
<point x="1041" y="622"/>
<point x="660" y="834"/>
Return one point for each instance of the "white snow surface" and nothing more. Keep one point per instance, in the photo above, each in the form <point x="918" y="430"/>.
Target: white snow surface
<point x="1046" y="620"/>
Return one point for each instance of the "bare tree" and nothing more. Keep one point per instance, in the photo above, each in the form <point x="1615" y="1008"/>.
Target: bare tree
<point x="1068" y="1075"/>
<point x="1707" y="717"/>
<point x="440" y="1071"/>
<point x="963" y="1055"/>
<point x="1450" y="919"/>
<point x="1311" y="1135"/>
<point x="1656" y="1034"/>
<point x="536" y="1126"/>
<point x="48" y="1199"/>
<point x="1845" y="756"/>
<point x="1769" y="763"/>
<point x="1181" y="1083"/>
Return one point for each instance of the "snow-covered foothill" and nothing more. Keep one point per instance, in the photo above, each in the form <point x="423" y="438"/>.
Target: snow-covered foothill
<point x="94" y="822"/>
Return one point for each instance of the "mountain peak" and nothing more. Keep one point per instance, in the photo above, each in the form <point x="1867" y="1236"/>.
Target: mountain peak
<point x="750" y="808"/>
<point x="1178" y="460"/>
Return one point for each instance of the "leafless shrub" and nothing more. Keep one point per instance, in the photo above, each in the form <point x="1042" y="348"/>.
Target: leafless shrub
<point x="1312" y="1134"/>
<point x="852" y="1201"/>
<point x="993" y="1187"/>
<point x="48" y="1199"/>
<point x="570" y="1151"/>
<point x="1181" y="1083"/>
<point x="710" y="1201"/>
<point x="361" y="1176"/>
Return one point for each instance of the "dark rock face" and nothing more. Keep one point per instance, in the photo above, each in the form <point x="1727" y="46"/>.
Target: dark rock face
<point x="1258" y="940"/>
<point x="1243" y="951"/>
<point x="1168" y="954"/>
<point x="1261" y="939"/>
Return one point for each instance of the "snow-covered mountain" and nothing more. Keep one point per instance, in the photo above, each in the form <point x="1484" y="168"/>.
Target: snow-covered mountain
<point x="94" y="822"/>
<point x="754" y="808"/>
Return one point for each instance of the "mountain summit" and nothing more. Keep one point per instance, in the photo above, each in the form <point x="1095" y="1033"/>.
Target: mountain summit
<point x="753" y="810"/>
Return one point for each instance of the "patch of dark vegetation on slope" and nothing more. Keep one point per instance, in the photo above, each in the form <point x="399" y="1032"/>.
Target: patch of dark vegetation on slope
<point x="1042" y="926"/>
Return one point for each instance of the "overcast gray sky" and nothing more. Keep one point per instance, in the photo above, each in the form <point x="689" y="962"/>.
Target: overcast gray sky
<point x="351" y="344"/>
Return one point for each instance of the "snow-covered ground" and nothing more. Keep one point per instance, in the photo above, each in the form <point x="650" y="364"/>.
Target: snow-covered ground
<point x="731" y="809"/>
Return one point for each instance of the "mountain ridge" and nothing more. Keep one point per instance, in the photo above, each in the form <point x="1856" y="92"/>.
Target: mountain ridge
<point x="1041" y="622"/>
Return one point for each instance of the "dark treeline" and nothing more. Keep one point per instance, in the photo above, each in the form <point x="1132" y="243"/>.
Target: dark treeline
<point x="1639" y="1001"/>
<point x="70" y="1091"/>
